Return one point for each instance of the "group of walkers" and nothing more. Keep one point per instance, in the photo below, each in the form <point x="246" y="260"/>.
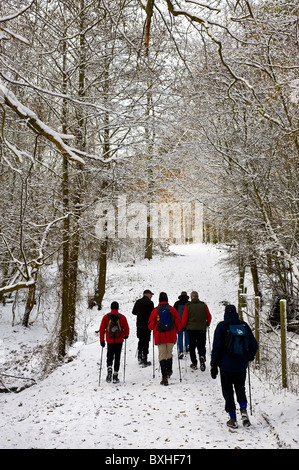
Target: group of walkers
<point x="185" y="324"/>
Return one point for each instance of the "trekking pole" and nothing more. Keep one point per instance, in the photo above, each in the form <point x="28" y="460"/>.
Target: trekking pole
<point x="177" y="345"/>
<point x="125" y="360"/>
<point x="249" y="384"/>
<point x="101" y="367"/>
<point x="153" y="357"/>
<point x="209" y="339"/>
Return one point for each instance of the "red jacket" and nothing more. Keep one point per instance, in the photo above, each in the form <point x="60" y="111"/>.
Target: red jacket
<point x="165" y="336"/>
<point x="122" y="323"/>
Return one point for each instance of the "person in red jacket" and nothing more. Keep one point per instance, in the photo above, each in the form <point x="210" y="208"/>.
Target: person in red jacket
<point x="165" y="333"/>
<point x="116" y="328"/>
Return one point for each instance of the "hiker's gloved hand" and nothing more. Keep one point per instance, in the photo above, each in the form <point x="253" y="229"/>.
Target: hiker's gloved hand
<point x="214" y="371"/>
<point x="103" y="344"/>
<point x="126" y="337"/>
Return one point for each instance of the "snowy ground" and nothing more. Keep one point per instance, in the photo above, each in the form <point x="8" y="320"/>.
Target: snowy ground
<point x="70" y="410"/>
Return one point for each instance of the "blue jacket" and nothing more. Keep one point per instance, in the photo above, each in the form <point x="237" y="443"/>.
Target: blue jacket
<point x="220" y="355"/>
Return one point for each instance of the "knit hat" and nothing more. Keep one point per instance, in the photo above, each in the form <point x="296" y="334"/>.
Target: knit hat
<point x="114" y="306"/>
<point x="163" y="297"/>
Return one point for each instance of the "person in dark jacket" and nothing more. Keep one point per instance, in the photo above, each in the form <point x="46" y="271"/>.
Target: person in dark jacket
<point x="196" y="319"/>
<point x="182" y="334"/>
<point x="114" y="329"/>
<point x="232" y="367"/>
<point x="142" y="309"/>
<point x="165" y="340"/>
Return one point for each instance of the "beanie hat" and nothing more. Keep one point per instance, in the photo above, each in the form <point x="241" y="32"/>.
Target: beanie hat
<point x="163" y="297"/>
<point x="114" y="306"/>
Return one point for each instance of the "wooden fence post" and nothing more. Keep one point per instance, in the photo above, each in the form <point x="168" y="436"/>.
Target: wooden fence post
<point x="257" y="303"/>
<point x="242" y="302"/>
<point x="240" y="305"/>
<point x="283" y="332"/>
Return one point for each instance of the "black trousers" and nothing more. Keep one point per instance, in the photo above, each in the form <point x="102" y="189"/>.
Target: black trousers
<point x="144" y="336"/>
<point x="233" y="382"/>
<point x="113" y="354"/>
<point x="197" y="340"/>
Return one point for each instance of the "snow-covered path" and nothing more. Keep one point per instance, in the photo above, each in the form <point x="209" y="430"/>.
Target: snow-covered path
<point x="70" y="410"/>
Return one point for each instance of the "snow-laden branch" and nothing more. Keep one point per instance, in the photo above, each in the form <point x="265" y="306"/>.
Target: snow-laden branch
<point x="33" y="122"/>
<point x="15" y="35"/>
<point x="11" y="17"/>
<point x="55" y="94"/>
<point x="17" y="286"/>
<point x="31" y="278"/>
<point x="17" y="13"/>
<point x="204" y="5"/>
<point x="40" y="260"/>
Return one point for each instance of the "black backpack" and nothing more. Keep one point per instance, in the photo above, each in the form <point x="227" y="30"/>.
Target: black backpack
<point x="114" y="329"/>
<point x="164" y="318"/>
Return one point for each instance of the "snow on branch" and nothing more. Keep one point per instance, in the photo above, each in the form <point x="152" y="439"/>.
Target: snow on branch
<point x="17" y="286"/>
<point x="15" y="35"/>
<point x="38" y="126"/>
<point x="17" y="13"/>
<point x="11" y="17"/>
<point x="30" y="273"/>
<point x="204" y="5"/>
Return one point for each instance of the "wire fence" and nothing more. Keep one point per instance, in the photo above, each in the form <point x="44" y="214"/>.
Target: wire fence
<point x="277" y="359"/>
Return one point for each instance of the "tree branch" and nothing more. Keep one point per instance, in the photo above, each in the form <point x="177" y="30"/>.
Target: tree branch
<point x="38" y="126"/>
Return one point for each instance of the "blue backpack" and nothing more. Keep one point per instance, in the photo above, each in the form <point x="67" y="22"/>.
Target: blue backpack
<point x="236" y="340"/>
<point x="164" y="318"/>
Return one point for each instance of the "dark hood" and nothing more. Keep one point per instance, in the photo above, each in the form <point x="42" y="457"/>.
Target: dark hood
<point x="184" y="298"/>
<point x="231" y="314"/>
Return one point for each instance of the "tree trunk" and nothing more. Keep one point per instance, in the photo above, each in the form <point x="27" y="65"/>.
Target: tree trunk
<point x="65" y="282"/>
<point x="255" y="280"/>
<point x="102" y="271"/>
<point x="30" y="301"/>
<point x="149" y="138"/>
<point x="71" y="230"/>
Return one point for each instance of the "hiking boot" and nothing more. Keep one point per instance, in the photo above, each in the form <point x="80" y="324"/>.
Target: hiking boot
<point x="109" y="374"/>
<point x="140" y="361"/>
<point x="245" y="419"/>
<point x="202" y="364"/>
<point x="164" y="381"/>
<point x="144" y="361"/>
<point x="193" y="366"/>
<point x="181" y="355"/>
<point x="115" y="378"/>
<point x="146" y="364"/>
<point x="232" y="423"/>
